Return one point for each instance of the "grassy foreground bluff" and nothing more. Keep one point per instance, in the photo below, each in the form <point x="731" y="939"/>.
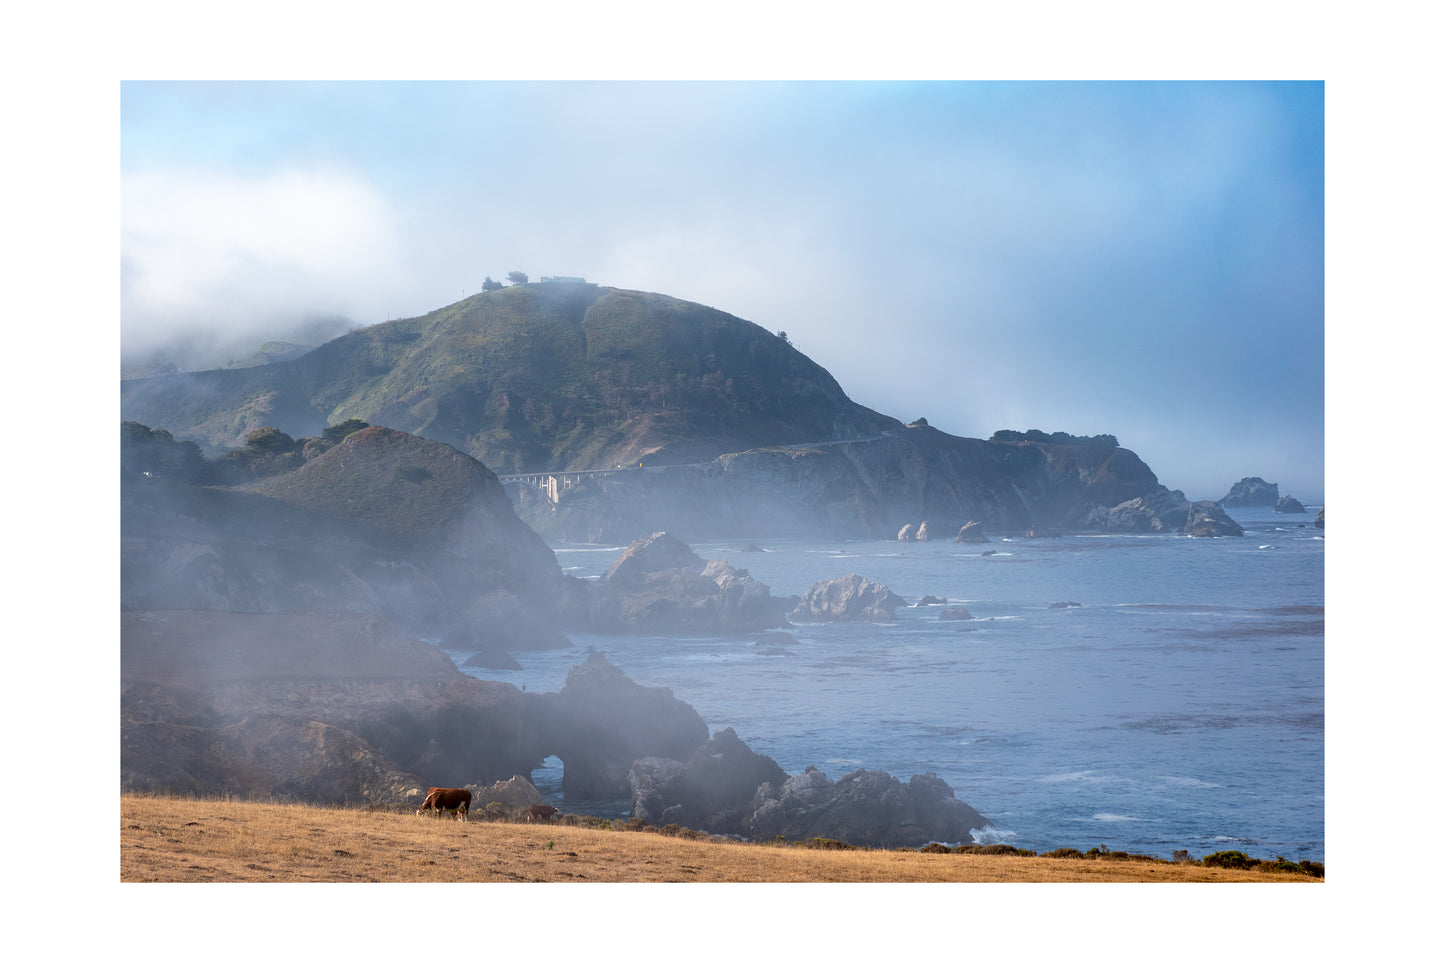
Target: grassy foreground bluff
<point x="176" y="839"/>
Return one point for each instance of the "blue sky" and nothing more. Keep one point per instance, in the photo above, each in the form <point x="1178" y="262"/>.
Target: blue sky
<point x="1141" y="259"/>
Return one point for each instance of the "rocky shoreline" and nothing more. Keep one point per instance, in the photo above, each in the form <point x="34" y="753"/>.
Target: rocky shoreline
<point x="269" y="635"/>
<point x="350" y="711"/>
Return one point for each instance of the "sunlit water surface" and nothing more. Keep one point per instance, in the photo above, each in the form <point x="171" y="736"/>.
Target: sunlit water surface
<point x="1179" y="705"/>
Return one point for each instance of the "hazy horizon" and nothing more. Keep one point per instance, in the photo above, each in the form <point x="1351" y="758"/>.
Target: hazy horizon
<point x="1139" y="259"/>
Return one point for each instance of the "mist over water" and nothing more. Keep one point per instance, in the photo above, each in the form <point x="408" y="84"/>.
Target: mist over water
<point x="1179" y="705"/>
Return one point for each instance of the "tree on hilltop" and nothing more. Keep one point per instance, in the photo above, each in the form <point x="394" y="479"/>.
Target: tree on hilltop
<point x="517" y="277"/>
<point x="147" y="453"/>
<point x="268" y="451"/>
<point x="341" y="429"/>
<point x="490" y="285"/>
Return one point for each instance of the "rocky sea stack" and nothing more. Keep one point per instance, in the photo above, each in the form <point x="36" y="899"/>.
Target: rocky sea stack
<point x="1251" y="492"/>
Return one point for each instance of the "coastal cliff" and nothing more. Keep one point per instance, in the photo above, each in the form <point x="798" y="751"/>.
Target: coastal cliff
<point x="858" y="489"/>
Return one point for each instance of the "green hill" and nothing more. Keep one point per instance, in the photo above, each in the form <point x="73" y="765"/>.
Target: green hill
<point x="534" y="376"/>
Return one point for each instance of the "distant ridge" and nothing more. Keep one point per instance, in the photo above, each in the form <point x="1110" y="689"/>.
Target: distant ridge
<point x="532" y="377"/>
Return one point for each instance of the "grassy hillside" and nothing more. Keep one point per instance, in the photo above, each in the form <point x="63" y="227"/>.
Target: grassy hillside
<point x="411" y="488"/>
<point x="209" y="840"/>
<point x="530" y="377"/>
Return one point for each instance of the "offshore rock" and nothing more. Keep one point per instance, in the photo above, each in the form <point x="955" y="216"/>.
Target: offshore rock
<point x="1160" y="511"/>
<point x="602" y="721"/>
<point x="660" y="586"/>
<point x="971" y="532"/>
<point x="657" y="552"/>
<point x="1289" y="505"/>
<point x="1251" y="492"/>
<point x="1320" y="518"/>
<point x="850" y="598"/>
<point x="1207" y="520"/>
<point x="492" y="658"/>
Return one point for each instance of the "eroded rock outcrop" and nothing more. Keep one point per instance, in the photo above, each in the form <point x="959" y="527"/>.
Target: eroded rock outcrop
<point x="1251" y="492"/>
<point x="1289" y="505"/>
<point x="864" y="808"/>
<point x="971" y="532"/>
<point x="660" y="586"/>
<point x="1159" y="511"/>
<point x="726" y="788"/>
<point x="511" y="794"/>
<point x="713" y="791"/>
<point x="1208" y="520"/>
<point x="849" y="598"/>
<point x="334" y="709"/>
<point x="602" y="721"/>
<point x="346" y="709"/>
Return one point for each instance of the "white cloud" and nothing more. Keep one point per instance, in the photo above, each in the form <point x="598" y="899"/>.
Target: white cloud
<point x="207" y="253"/>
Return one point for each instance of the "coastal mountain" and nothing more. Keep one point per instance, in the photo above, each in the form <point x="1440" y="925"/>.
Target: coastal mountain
<point x="532" y="377"/>
<point x="686" y="419"/>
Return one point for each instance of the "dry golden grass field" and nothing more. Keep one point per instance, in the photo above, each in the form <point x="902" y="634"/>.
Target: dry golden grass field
<point x="168" y="839"/>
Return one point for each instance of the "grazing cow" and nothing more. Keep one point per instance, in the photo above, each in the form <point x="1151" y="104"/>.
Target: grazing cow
<point x="455" y="801"/>
<point x="541" y="814"/>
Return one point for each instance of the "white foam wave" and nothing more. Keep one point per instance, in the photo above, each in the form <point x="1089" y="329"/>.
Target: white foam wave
<point x="1189" y="782"/>
<point x="844" y="762"/>
<point x="991" y="836"/>
<point x="1081" y="776"/>
<point x="1115" y="818"/>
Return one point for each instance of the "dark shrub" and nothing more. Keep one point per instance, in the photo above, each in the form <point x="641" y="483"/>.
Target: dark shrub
<point x="822" y="842"/>
<point x="1230" y="859"/>
<point x="1065" y="853"/>
<point x="995" y="849"/>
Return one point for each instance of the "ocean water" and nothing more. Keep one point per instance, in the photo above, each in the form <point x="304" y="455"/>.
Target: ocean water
<point x="1178" y="705"/>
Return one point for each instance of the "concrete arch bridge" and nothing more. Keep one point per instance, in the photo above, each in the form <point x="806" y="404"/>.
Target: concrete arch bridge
<point x="551" y="483"/>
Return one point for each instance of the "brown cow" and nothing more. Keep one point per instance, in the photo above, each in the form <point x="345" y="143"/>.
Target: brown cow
<point x="541" y="814"/>
<point x="456" y="801"/>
